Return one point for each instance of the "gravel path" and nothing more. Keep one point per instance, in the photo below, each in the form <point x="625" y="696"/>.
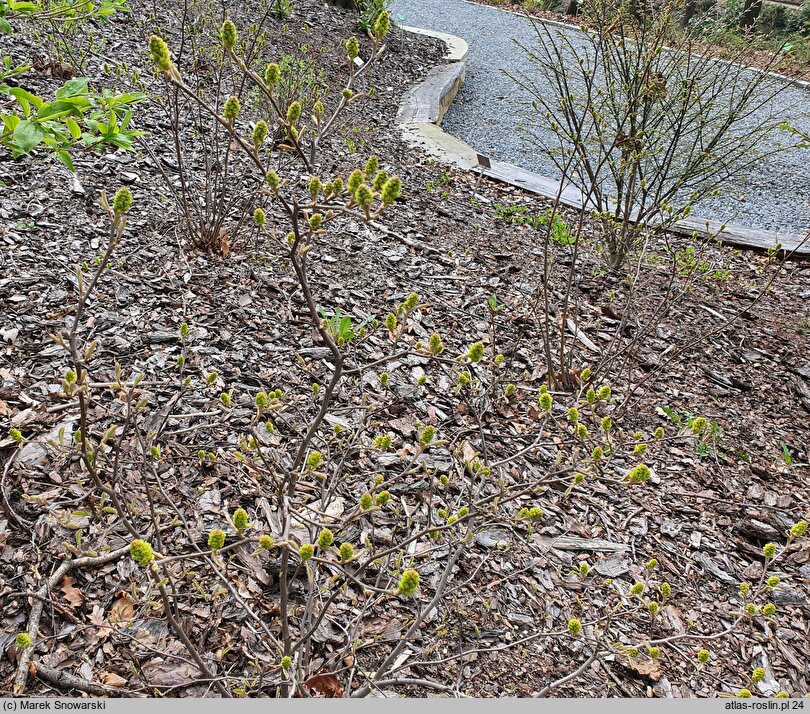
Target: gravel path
<point x="776" y="195"/>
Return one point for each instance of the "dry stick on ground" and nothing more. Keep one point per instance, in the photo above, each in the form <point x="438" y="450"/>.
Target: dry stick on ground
<point x="66" y="680"/>
<point x="21" y="677"/>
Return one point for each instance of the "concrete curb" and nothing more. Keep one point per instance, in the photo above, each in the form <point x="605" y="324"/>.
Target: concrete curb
<point x="419" y="120"/>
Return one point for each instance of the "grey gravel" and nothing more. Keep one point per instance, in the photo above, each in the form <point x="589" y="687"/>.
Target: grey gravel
<point x="775" y="195"/>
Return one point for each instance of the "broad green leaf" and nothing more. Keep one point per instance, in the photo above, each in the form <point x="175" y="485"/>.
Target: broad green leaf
<point x="5" y="28"/>
<point x="51" y="110"/>
<point x="73" y="128"/>
<point x="11" y="122"/>
<point x="73" y="88"/>
<point x="64" y="157"/>
<point x="27" y="135"/>
<point x="24" y="98"/>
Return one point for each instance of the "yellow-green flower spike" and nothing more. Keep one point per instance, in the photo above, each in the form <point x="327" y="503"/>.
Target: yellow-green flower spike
<point x="382" y="25"/>
<point x="769" y="609"/>
<point x="383" y="498"/>
<point x="435" y="344"/>
<point x="326" y="538"/>
<point x="408" y="583"/>
<point x="758" y="675"/>
<point x="141" y="552"/>
<point x="666" y="590"/>
<point x="366" y="501"/>
<point x="216" y="539"/>
<point x="574" y="626"/>
<point x="159" y="52"/>
<point x="799" y="530"/>
<point x="782" y="695"/>
<point x="773" y="581"/>
<point x="355" y="180"/>
<point x="266" y="542"/>
<point x="122" y="201"/>
<point x="372" y="165"/>
<point x="364" y="195"/>
<point x="639" y="474"/>
<point x="637" y="589"/>
<point x="346" y="552"/>
<point x="228" y="34"/>
<point x="744" y="694"/>
<point x="546" y="401"/>
<point x="306" y="551"/>
<point x="352" y="48"/>
<point x="260" y="132"/>
<point x="231" y="109"/>
<point x="294" y="112"/>
<point x="272" y="180"/>
<point x="769" y="550"/>
<point x="259" y="217"/>
<point x="391" y="191"/>
<point x="655" y="652"/>
<point x="22" y="640"/>
<point x="240" y="519"/>
<point x="427" y="436"/>
<point x="272" y="73"/>
<point x="703" y="656"/>
<point x="314" y="460"/>
<point x="476" y="352"/>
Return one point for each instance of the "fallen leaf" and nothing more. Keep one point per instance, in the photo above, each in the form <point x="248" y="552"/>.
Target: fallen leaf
<point x="325" y="684"/>
<point x="123" y="609"/>
<point x="112" y="680"/>
<point x="72" y="595"/>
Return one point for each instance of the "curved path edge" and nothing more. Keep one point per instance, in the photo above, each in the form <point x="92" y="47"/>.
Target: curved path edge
<point x="420" y="116"/>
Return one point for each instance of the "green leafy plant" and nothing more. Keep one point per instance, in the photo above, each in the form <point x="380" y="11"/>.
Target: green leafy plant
<point x="77" y="117"/>
<point x="560" y="231"/>
<point x="340" y="326"/>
